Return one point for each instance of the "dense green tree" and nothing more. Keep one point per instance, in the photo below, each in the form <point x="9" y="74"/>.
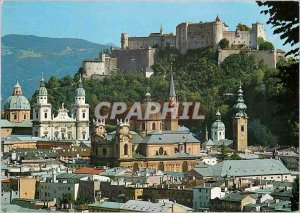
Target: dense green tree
<point x="242" y="27"/>
<point x="284" y="16"/>
<point x="224" y="43"/>
<point x="266" y="46"/>
<point x="199" y="78"/>
<point x="295" y="195"/>
<point x="260" y="135"/>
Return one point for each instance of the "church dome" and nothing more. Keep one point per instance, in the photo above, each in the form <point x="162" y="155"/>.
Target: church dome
<point x="218" y="125"/>
<point x="80" y="91"/>
<point x="43" y="91"/>
<point x="17" y="102"/>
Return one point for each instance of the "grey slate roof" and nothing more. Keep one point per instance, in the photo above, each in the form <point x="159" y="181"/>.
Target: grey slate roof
<point x="6" y="123"/>
<point x="165" y="137"/>
<point x="237" y="168"/>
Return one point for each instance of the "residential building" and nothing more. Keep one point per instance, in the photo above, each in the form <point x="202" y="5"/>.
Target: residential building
<point x="203" y="194"/>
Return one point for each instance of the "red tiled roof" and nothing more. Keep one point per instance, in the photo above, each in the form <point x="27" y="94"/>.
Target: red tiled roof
<point x="6" y="181"/>
<point x="89" y="170"/>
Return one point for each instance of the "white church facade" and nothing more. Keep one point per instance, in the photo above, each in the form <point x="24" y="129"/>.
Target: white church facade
<point x="62" y="126"/>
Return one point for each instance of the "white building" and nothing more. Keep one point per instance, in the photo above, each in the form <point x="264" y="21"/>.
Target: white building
<point x="218" y="128"/>
<point x="62" y="126"/>
<point x="57" y="186"/>
<point x="202" y="194"/>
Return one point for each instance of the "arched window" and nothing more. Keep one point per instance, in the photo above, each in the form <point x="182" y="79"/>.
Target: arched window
<point x="143" y="126"/>
<point x="125" y="149"/>
<point x="161" y="151"/>
<point x="153" y="126"/>
<point x="24" y="116"/>
<point x="242" y="128"/>
<point x="15" y="116"/>
<point x="83" y="115"/>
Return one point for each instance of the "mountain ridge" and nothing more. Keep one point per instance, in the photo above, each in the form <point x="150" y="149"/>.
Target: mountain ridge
<point x="28" y="56"/>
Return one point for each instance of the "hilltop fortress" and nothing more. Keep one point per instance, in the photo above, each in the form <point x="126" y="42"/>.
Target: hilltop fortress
<point x="139" y="53"/>
<point x="196" y="35"/>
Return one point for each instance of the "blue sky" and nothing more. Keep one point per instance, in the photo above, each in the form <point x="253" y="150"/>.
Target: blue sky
<point x="103" y="22"/>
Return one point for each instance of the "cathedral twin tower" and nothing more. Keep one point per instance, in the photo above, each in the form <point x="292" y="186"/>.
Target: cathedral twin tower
<point x="61" y="127"/>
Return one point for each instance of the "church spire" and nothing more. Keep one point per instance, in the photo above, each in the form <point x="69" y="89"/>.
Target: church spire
<point x="80" y="82"/>
<point x="172" y="87"/>
<point x="218" y="115"/>
<point x="17" y="88"/>
<point x="161" y="29"/>
<point x="240" y="106"/>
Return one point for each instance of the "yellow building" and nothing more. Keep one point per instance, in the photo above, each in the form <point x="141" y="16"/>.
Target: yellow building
<point x="157" y="146"/>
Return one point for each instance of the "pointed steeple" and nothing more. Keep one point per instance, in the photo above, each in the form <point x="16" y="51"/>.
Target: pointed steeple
<point x="172" y="87"/>
<point x="148" y="95"/>
<point x="218" y="115"/>
<point x="161" y="29"/>
<point x="42" y="89"/>
<point x="80" y="82"/>
<point x="240" y="106"/>
<point x="42" y="82"/>
<point x="206" y="133"/>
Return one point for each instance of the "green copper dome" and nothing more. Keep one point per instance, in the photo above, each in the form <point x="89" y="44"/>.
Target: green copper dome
<point x="80" y="91"/>
<point x="42" y="89"/>
<point x="218" y="124"/>
<point x="17" y="103"/>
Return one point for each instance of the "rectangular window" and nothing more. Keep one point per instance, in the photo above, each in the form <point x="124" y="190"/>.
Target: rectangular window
<point x="83" y="115"/>
<point x="37" y="115"/>
<point x="45" y="114"/>
<point x="24" y="116"/>
<point x="15" y="116"/>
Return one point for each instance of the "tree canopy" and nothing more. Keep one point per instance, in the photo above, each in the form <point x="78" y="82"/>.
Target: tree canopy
<point x="266" y="45"/>
<point x="242" y="27"/>
<point x="198" y="77"/>
<point x="284" y="16"/>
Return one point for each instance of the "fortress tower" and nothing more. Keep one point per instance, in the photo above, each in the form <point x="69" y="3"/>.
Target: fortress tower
<point x="124" y="40"/>
<point x="217" y="31"/>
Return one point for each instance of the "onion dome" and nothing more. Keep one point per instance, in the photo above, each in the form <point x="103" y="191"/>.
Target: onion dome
<point x="42" y="89"/>
<point x="218" y="124"/>
<point x="17" y="101"/>
<point x="240" y="106"/>
<point x="80" y="91"/>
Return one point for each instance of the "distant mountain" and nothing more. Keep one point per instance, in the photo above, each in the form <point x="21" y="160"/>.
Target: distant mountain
<point x="28" y="56"/>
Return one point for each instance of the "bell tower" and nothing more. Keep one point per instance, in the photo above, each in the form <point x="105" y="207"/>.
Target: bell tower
<point x="171" y="122"/>
<point x="240" y="123"/>
<point x="80" y="111"/>
<point x="42" y="113"/>
<point x="123" y="140"/>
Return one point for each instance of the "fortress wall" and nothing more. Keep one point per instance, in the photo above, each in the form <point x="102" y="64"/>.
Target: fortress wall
<point x="134" y="59"/>
<point x="142" y="42"/>
<point x="268" y="56"/>
<point x="199" y="35"/>
<point x="237" y="37"/>
<point x="110" y="65"/>
<point x="171" y="40"/>
<point x="93" y="67"/>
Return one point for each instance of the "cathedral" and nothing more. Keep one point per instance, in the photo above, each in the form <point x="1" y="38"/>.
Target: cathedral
<point x="62" y="126"/>
<point x="158" y="144"/>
